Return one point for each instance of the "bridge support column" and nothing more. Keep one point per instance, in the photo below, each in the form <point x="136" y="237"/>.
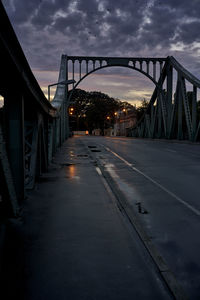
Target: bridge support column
<point x="169" y="97"/>
<point x="66" y="104"/>
<point x="194" y="109"/>
<point x="14" y="110"/>
<point x="180" y="114"/>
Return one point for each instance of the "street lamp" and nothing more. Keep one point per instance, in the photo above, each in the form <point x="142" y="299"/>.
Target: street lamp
<point x="64" y="82"/>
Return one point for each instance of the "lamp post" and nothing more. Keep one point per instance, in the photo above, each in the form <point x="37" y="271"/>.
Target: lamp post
<point x="64" y="82"/>
<point x="65" y="124"/>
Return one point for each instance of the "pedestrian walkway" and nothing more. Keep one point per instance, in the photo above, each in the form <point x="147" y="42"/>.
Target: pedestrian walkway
<point x="74" y="242"/>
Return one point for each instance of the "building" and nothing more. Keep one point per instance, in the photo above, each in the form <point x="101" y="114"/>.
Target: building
<point x="124" y="121"/>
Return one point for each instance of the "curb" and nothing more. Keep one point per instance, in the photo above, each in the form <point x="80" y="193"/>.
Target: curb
<point x="164" y="270"/>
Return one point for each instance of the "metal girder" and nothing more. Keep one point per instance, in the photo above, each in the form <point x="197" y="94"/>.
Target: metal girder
<point x="14" y="134"/>
<point x="175" y="115"/>
<point x="162" y="99"/>
<point x="197" y="132"/>
<point x="35" y="151"/>
<point x="169" y="96"/>
<point x="7" y="174"/>
<point x="187" y="110"/>
<point x="31" y="142"/>
<point x="94" y="63"/>
<point x="194" y="108"/>
<point x="174" y="111"/>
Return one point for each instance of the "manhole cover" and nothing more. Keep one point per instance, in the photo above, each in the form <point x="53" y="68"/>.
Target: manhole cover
<point x="82" y="155"/>
<point x="96" y="150"/>
<point x="67" y="164"/>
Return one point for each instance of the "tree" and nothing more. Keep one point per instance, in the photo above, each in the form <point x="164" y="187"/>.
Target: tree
<point x="95" y="110"/>
<point x="142" y="108"/>
<point x="100" y="111"/>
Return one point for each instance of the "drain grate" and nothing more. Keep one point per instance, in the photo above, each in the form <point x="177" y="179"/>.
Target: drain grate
<point x="67" y="164"/>
<point x="95" y="150"/>
<point x="82" y="155"/>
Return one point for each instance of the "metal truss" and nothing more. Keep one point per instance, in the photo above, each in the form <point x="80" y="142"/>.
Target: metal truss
<point x="35" y="151"/>
<point x="172" y="112"/>
<point x="35" y="128"/>
<point x="82" y="66"/>
<point x="7" y="177"/>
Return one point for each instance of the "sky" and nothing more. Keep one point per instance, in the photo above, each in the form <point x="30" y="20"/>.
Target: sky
<point x="46" y="29"/>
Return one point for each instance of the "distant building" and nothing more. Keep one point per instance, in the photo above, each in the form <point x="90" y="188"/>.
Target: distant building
<point x="124" y="122"/>
<point x="109" y="132"/>
<point x="96" y="131"/>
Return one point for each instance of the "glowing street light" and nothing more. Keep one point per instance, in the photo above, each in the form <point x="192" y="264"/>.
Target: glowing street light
<point x="71" y="110"/>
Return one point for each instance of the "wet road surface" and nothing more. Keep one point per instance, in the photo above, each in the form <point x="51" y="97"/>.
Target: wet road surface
<point x="160" y="181"/>
<point x="73" y="242"/>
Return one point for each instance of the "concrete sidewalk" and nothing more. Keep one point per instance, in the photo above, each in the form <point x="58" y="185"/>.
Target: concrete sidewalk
<point x="73" y="243"/>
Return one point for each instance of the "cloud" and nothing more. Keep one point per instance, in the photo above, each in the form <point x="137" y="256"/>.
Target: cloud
<point x="48" y="28"/>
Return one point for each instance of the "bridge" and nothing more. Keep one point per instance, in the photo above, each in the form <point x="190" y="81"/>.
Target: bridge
<point x="87" y="217"/>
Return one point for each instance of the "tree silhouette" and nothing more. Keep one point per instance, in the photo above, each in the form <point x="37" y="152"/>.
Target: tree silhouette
<point x="95" y="110"/>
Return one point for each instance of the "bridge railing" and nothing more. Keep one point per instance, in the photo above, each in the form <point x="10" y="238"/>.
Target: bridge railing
<point x="58" y="127"/>
<point x="31" y="128"/>
<point x="174" y="108"/>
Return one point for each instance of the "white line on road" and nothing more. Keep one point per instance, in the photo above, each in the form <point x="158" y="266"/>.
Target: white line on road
<point x="98" y="171"/>
<point x="170" y="150"/>
<point x="193" y="209"/>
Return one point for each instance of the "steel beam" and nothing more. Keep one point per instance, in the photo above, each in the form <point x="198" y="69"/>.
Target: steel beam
<point x="187" y="110"/>
<point x="194" y="108"/>
<point x="180" y="112"/>
<point x="169" y="96"/>
<point x="14" y="111"/>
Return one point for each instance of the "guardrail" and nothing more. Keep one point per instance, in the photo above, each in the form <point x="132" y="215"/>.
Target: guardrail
<point x="31" y="128"/>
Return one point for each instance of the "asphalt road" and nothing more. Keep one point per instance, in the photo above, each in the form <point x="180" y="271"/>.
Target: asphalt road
<point x="73" y="242"/>
<point x="161" y="182"/>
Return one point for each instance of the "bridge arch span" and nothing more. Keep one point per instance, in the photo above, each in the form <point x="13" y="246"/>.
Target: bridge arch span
<point x="173" y="110"/>
<point x="109" y="66"/>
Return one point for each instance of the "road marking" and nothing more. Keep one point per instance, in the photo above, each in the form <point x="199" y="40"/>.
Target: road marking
<point x="170" y="150"/>
<point x="193" y="209"/>
<point x="98" y="171"/>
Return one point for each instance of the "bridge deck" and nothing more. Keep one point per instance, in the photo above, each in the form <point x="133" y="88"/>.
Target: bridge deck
<point x="75" y="243"/>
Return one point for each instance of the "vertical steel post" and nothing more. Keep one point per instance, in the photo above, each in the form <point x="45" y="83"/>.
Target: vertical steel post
<point x="169" y="96"/>
<point x="159" y="115"/>
<point x="148" y="67"/>
<point x="79" y="70"/>
<point x="154" y="70"/>
<point x="140" y="65"/>
<point x="180" y="112"/>
<point x="87" y="67"/>
<point x="14" y="111"/>
<point x="161" y="66"/>
<point x="194" y="109"/>
<point x="66" y="104"/>
<point x="73" y="72"/>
